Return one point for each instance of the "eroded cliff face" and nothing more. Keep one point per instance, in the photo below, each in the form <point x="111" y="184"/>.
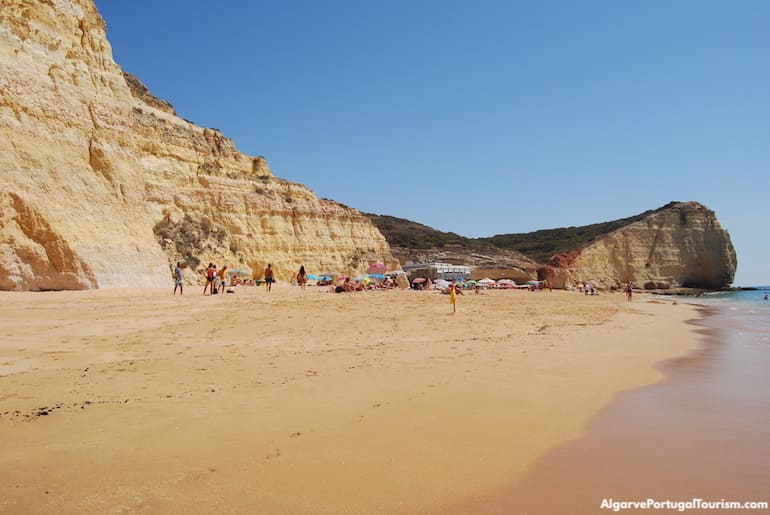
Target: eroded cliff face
<point x="679" y="245"/>
<point x="105" y="186"/>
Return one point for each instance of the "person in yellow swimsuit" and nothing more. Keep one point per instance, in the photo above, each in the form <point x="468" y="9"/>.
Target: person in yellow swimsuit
<point x="453" y="296"/>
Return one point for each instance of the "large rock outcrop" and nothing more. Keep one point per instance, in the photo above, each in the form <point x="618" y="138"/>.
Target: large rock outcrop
<point x="679" y="245"/>
<point x="105" y="186"/>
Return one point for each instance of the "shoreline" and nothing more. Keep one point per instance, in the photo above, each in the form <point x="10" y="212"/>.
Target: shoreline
<point x="665" y="441"/>
<point x="381" y="402"/>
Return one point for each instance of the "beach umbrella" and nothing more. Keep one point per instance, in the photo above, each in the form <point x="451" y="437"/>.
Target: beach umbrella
<point x="238" y="271"/>
<point x="312" y="277"/>
<point x="506" y="282"/>
<point x="419" y="280"/>
<point x="395" y="273"/>
<point x="377" y="276"/>
<point x="376" y="268"/>
<point x="487" y="281"/>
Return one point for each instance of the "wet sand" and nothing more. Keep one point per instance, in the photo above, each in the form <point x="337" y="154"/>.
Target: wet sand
<point x="703" y="433"/>
<point x="305" y="402"/>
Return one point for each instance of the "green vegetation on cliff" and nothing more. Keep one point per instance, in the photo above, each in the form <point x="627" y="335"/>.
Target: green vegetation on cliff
<point x="541" y="245"/>
<point x="412" y="235"/>
<point x="538" y="246"/>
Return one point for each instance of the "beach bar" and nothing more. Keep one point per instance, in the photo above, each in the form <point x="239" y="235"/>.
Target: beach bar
<point x="434" y="271"/>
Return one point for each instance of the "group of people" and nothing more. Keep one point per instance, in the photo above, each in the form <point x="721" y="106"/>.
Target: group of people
<point x="216" y="280"/>
<point x="348" y="285"/>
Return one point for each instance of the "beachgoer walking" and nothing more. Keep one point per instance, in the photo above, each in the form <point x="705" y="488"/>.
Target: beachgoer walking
<point x="629" y="290"/>
<point x="269" y="280"/>
<point x="211" y="275"/>
<point x="453" y="296"/>
<point x="302" y="277"/>
<point x="178" y="282"/>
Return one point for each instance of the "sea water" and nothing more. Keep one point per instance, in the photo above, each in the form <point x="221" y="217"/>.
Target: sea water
<point x="701" y="433"/>
<point x="740" y="317"/>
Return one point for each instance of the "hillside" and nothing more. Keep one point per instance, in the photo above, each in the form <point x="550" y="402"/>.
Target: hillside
<point x="680" y="244"/>
<point x="539" y="246"/>
<point x="543" y="244"/>
<point x="412" y="235"/>
<point x="412" y="242"/>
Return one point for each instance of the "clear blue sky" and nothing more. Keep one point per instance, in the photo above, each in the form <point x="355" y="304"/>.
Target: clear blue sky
<point x="482" y="117"/>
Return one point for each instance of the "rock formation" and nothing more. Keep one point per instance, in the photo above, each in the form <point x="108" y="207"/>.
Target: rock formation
<point x="105" y="186"/>
<point x="679" y="245"/>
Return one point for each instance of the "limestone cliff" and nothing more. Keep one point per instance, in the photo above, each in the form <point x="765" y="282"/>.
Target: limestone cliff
<point x="105" y="186"/>
<point x="679" y="245"/>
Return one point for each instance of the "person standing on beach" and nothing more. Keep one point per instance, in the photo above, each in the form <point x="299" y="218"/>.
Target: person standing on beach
<point x="211" y="275"/>
<point x="629" y="290"/>
<point x="302" y="277"/>
<point x="453" y="296"/>
<point x="221" y="276"/>
<point x="269" y="278"/>
<point x="178" y="282"/>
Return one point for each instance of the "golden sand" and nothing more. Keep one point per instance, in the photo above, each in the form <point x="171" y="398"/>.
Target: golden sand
<point x="305" y="402"/>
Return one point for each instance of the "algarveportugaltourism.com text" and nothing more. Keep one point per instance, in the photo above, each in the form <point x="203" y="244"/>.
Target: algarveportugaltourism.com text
<point x="693" y="504"/>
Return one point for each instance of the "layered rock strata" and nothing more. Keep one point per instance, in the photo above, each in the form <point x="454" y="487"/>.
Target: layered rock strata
<point x="105" y="186"/>
<point x="680" y="245"/>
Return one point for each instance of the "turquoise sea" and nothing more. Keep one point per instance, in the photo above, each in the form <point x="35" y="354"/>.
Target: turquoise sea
<point x="738" y="316"/>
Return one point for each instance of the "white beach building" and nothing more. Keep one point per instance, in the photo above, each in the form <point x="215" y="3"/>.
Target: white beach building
<point x="435" y="271"/>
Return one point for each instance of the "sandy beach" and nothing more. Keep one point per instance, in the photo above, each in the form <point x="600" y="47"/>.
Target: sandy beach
<point x="305" y="402"/>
